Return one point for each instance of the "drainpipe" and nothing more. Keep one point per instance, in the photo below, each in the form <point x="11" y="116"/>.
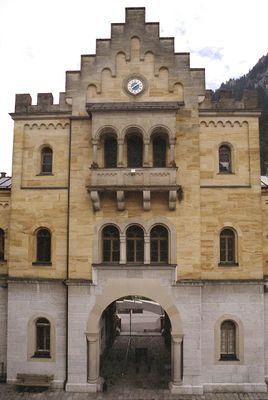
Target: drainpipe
<point x="67" y="256"/>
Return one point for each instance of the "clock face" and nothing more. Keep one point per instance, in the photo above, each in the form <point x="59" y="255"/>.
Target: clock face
<point x="135" y="86"/>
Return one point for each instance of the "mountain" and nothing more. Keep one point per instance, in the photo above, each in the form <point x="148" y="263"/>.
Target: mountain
<point x="256" y="78"/>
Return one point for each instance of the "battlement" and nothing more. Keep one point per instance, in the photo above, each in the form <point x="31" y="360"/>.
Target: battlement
<point x="226" y="101"/>
<point x="45" y="103"/>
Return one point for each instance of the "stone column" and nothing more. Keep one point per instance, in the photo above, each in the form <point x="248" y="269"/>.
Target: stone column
<point x="176" y="373"/>
<point x="172" y="152"/>
<point x="147" y="257"/>
<point x="146" y="153"/>
<point x="123" y="250"/>
<point x="95" y="154"/>
<point x="93" y="357"/>
<point x="120" y="143"/>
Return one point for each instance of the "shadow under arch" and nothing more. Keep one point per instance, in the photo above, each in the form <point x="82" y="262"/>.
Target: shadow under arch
<point x="132" y="287"/>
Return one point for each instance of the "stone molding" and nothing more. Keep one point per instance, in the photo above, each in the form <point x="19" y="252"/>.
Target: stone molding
<point x="137" y="106"/>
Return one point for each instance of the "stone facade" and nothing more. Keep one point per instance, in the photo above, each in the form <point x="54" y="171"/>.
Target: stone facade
<point x="82" y="190"/>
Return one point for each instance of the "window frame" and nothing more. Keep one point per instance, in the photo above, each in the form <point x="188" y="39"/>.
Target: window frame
<point x="46" y="261"/>
<point x="227" y="341"/>
<point x="155" y="160"/>
<point x="221" y="170"/>
<point x="31" y="338"/>
<point x="2" y="244"/>
<point x="45" y="151"/>
<point x="159" y="240"/>
<point x="128" y="152"/>
<point x="135" y="240"/>
<point x="239" y="341"/>
<point x="112" y="243"/>
<point x="115" y="156"/>
<point x="226" y="248"/>
<point x="44" y="324"/>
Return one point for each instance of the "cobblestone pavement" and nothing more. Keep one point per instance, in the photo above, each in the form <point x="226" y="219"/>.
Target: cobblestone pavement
<point x="8" y="392"/>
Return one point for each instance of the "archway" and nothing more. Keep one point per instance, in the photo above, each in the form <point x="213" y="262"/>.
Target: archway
<point x="113" y="291"/>
<point x="135" y="345"/>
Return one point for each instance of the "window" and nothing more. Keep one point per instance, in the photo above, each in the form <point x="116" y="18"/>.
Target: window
<point x="2" y="245"/>
<point x="46" y="160"/>
<point x="225" y="160"/>
<point x="227" y="247"/>
<point x="111" y="244"/>
<point x="135" y="244"/>
<point x="110" y="152"/>
<point x="159" y="152"/>
<point x="228" y="341"/>
<point x="43" y="246"/>
<point x="134" y="152"/>
<point x="159" y="244"/>
<point x="42" y="338"/>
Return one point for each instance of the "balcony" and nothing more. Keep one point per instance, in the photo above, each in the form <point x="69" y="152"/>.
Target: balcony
<point x="146" y="180"/>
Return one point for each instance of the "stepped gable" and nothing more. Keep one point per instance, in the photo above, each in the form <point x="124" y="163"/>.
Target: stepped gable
<point x="135" y="43"/>
<point x="134" y="46"/>
<point x="226" y="101"/>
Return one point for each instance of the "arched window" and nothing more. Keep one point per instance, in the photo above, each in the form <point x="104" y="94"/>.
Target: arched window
<point x="159" y="244"/>
<point x="43" y="246"/>
<point x="135" y="244"/>
<point x="46" y="160"/>
<point x="110" y="244"/>
<point x="134" y="151"/>
<point x="227" y="247"/>
<point x="228" y="341"/>
<point x="2" y="244"/>
<point x="42" y="338"/>
<point x="159" y="152"/>
<point x="225" y="159"/>
<point x="110" y="152"/>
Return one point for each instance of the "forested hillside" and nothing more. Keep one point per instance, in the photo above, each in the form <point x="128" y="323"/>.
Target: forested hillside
<point x="256" y="78"/>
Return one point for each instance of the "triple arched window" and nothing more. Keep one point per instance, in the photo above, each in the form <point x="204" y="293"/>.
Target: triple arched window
<point x="133" y="244"/>
<point x="137" y="154"/>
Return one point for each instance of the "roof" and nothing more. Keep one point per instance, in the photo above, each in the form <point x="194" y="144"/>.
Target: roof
<point x="5" y="181"/>
<point x="264" y="181"/>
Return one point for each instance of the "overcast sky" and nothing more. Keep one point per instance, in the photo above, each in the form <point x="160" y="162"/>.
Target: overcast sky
<point x="41" y="39"/>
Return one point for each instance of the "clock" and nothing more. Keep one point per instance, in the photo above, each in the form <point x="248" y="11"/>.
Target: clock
<point x="135" y="86"/>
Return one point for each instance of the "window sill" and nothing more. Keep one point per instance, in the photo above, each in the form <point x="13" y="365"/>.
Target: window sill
<point x="229" y="358"/>
<point x="45" y="174"/>
<point x="42" y="356"/>
<point x="3" y="262"/>
<point x="225" y="173"/>
<point x="228" y="264"/>
<point x="44" y="263"/>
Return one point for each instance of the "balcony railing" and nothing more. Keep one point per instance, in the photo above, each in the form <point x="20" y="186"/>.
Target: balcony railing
<point x="146" y="180"/>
